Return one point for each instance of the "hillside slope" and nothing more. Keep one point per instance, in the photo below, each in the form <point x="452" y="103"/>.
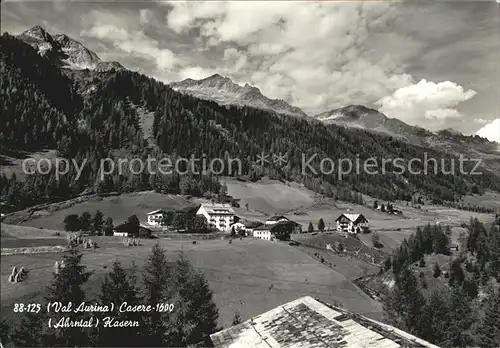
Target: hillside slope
<point x="88" y="115"/>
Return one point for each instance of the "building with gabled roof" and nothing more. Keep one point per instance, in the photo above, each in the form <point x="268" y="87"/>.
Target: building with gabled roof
<point x="128" y="229"/>
<point x="155" y="217"/>
<point x="278" y="231"/>
<point x="309" y="323"/>
<point x="276" y="219"/>
<point x="351" y="223"/>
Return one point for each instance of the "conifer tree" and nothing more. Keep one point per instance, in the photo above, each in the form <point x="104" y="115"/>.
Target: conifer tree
<point x="72" y="223"/>
<point x="434" y="316"/>
<point x="98" y="222"/>
<point x="321" y="225"/>
<point x="387" y="263"/>
<point x="459" y="319"/>
<point x="5" y="332"/>
<point x="108" y="227"/>
<point x="405" y="304"/>
<point x="134" y="220"/>
<point x="66" y="287"/>
<point x="488" y="332"/>
<point x="156" y="291"/>
<point x="310" y="228"/>
<point x="31" y="332"/>
<point x="86" y="221"/>
<point x="440" y="241"/>
<point x="457" y="275"/>
<point x="195" y="316"/>
<point x="119" y="287"/>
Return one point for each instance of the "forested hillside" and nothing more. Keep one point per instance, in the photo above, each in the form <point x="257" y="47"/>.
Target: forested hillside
<point x="461" y="308"/>
<point x="93" y="115"/>
<point x="38" y="101"/>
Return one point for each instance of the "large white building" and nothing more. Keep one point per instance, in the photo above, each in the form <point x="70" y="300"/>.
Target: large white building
<point x="218" y="215"/>
<point x="351" y="223"/>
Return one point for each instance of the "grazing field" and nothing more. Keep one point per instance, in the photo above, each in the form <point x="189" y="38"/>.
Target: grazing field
<point x="13" y="236"/>
<point x="265" y="198"/>
<point x="270" y="196"/>
<point x="351" y="246"/>
<point x="11" y="163"/>
<point x="119" y="208"/>
<point x="21" y="243"/>
<point x="251" y="276"/>
<point x="349" y="266"/>
<point x="489" y="199"/>
<point x="23" y="232"/>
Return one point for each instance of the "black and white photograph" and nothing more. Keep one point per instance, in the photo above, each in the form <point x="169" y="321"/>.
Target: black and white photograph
<point x="250" y="174"/>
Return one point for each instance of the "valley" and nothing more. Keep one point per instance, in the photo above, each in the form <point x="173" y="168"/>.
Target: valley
<point x="253" y="238"/>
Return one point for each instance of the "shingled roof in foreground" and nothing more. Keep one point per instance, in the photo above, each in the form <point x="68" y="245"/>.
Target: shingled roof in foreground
<point x="308" y="323"/>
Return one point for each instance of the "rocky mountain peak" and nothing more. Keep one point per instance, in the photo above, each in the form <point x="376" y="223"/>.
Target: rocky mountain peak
<point x="63" y="38"/>
<point x="362" y="117"/>
<point x="65" y="51"/>
<point x="224" y="91"/>
<point x="218" y="80"/>
<point x="38" y="32"/>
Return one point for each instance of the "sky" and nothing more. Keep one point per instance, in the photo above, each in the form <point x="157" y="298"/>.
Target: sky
<point x="435" y="64"/>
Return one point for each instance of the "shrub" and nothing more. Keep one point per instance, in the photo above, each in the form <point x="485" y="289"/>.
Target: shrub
<point x="376" y="241"/>
<point x="421" y="263"/>
<point x="424" y="283"/>
<point x="469" y="267"/>
<point x="388" y="264"/>
<point x="437" y="271"/>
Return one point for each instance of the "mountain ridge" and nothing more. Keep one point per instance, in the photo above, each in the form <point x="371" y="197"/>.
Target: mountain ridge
<point x="447" y="140"/>
<point x="65" y="51"/>
<point x="360" y="116"/>
<point x="224" y="91"/>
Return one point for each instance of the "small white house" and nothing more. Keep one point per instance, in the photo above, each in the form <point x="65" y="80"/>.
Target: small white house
<point x="155" y="217"/>
<point x="276" y="219"/>
<point x="262" y="232"/>
<point x="120" y="234"/>
<point x="351" y="223"/>
<point x="248" y="226"/>
<point x="218" y="215"/>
